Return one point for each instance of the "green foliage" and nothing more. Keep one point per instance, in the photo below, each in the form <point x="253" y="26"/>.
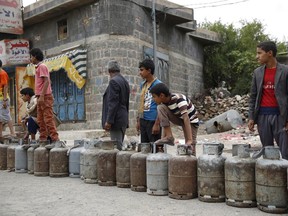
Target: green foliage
<point x="233" y="61"/>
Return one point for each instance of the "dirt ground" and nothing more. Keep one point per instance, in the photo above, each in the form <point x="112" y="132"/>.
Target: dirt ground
<point x="23" y="194"/>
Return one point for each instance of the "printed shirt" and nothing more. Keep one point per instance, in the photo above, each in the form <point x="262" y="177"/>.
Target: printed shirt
<point x="269" y="104"/>
<point x="41" y="72"/>
<point x="150" y="107"/>
<point x="268" y="92"/>
<point x="180" y="104"/>
<point x="4" y="80"/>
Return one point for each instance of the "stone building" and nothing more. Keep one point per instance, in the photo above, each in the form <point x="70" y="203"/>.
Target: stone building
<point x="120" y="30"/>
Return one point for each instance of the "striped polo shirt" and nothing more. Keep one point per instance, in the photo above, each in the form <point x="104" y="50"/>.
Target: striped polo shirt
<point x="180" y="104"/>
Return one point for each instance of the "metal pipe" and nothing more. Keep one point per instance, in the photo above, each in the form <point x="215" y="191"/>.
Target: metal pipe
<point x="154" y="37"/>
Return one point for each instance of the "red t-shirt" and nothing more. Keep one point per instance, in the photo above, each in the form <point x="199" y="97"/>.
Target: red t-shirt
<point x="4" y="80"/>
<point x="41" y="72"/>
<point x="268" y="92"/>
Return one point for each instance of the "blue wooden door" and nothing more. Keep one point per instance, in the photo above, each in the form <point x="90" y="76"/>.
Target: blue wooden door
<point x="69" y="100"/>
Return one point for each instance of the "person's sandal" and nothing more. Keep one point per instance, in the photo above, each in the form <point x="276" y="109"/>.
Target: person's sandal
<point x="165" y="140"/>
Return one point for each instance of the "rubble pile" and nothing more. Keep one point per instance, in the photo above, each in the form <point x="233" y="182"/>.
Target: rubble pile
<point x="209" y="108"/>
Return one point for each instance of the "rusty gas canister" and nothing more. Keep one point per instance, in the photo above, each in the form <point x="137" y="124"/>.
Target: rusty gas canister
<point x="224" y="122"/>
<point x="41" y="160"/>
<point x="138" y="168"/>
<point x="271" y="181"/>
<point x="3" y="156"/>
<point x="182" y="174"/>
<point x="11" y="154"/>
<point x="210" y="174"/>
<point x="106" y="163"/>
<point x="157" y="173"/>
<point x="123" y="168"/>
<point x="90" y="155"/>
<point x="240" y="179"/>
<point x="58" y="160"/>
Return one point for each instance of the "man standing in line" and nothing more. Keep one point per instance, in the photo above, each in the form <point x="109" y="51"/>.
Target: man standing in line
<point x="147" y="122"/>
<point x="115" y="107"/>
<point x="45" y="99"/>
<point x="5" y="116"/>
<point x="268" y="105"/>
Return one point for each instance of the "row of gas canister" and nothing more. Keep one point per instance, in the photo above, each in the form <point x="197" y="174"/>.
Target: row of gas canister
<point x="239" y="180"/>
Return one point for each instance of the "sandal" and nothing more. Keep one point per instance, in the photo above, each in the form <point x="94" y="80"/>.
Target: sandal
<point x="165" y="140"/>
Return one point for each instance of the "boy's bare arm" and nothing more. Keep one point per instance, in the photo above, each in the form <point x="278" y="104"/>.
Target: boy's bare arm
<point x="187" y="129"/>
<point x="156" y="126"/>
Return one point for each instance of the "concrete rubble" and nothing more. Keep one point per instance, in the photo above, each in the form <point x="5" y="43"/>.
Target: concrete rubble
<point x="210" y="107"/>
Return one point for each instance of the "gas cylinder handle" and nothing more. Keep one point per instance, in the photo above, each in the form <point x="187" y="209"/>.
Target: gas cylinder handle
<point x="220" y="148"/>
<point x="75" y="146"/>
<point x="258" y="154"/>
<point x="98" y="143"/>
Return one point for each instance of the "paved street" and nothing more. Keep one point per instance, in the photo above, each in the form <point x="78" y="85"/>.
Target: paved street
<point x="27" y="195"/>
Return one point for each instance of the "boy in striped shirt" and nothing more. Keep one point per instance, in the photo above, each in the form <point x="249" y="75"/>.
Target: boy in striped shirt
<point x="179" y="110"/>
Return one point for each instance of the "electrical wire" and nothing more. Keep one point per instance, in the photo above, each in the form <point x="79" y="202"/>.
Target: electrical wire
<point x="205" y="3"/>
<point x="219" y="5"/>
<point x="208" y="4"/>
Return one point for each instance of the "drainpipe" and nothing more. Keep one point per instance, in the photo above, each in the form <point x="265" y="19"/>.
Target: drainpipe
<point x="154" y="36"/>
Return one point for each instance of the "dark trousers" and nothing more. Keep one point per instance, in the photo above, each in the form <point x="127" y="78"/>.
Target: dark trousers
<point x="146" y="131"/>
<point x="270" y="128"/>
<point x="32" y="126"/>
<point x="118" y="135"/>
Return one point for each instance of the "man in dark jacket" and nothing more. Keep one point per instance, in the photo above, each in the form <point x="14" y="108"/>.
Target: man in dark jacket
<point x="116" y="104"/>
<point x="269" y="99"/>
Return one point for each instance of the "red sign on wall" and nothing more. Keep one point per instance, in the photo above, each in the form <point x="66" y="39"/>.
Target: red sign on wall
<point x="11" y="17"/>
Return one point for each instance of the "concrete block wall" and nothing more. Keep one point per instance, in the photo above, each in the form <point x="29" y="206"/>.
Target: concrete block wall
<point x="128" y="51"/>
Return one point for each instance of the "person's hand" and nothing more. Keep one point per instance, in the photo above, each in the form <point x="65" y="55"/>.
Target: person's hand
<point x="156" y="129"/>
<point x="286" y="127"/>
<point x="4" y="104"/>
<point x="251" y="125"/>
<point x="138" y="126"/>
<point x="107" y="126"/>
<point x="40" y="99"/>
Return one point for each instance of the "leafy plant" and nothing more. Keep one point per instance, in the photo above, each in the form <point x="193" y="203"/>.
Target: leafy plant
<point x="233" y="61"/>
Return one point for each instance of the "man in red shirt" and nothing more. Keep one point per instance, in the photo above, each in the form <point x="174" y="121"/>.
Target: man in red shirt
<point x="269" y="99"/>
<point x="43" y="92"/>
<point x="5" y="116"/>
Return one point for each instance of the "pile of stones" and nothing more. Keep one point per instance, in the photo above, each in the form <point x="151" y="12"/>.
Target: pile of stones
<point x="211" y="106"/>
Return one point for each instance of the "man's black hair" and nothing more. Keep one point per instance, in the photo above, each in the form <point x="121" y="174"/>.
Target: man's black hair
<point x="268" y="46"/>
<point x="0" y="63"/>
<point x="147" y="64"/>
<point x="27" y="91"/>
<point x="160" y="88"/>
<point x="37" y="53"/>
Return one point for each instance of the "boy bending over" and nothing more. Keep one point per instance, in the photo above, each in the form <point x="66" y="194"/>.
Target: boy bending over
<point x="179" y="110"/>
